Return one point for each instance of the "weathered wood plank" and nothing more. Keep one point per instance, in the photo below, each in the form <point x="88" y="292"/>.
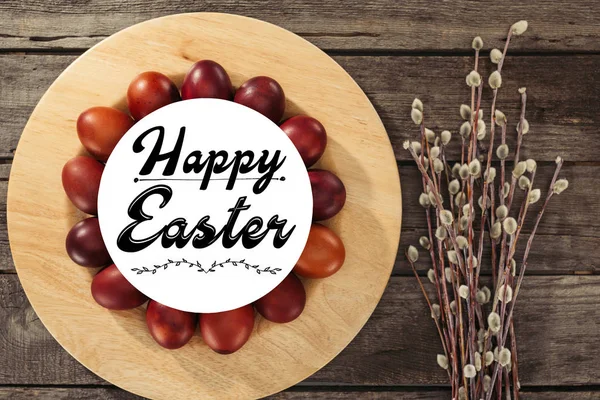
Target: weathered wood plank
<point x="563" y="120"/>
<point x="351" y="25"/>
<point x="74" y="393"/>
<point x="6" y="261"/>
<point x="418" y="393"/>
<point x="562" y="91"/>
<point x="298" y="393"/>
<point x="550" y="254"/>
<point x="30" y="355"/>
<point x="557" y="324"/>
<point x="570" y="213"/>
<point x="561" y="246"/>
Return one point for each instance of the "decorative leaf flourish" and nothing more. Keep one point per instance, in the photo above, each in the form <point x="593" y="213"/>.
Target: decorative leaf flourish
<point x="214" y="265"/>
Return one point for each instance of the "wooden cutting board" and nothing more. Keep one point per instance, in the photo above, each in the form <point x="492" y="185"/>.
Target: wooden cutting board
<point x="116" y="345"/>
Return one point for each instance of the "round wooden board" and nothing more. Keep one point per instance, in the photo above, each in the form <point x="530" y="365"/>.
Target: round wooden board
<point x="116" y="345"/>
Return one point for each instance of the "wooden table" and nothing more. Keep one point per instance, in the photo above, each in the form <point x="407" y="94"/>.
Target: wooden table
<point x="395" y="51"/>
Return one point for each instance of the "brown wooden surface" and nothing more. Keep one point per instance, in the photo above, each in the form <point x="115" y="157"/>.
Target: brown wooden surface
<point x="563" y="120"/>
<point x="396" y="346"/>
<point x="298" y="394"/>
<point x="278" y="356"/>
<point x="348" y="25"/>
<point x="561" y="245"/>
<point x="395" y="51"/>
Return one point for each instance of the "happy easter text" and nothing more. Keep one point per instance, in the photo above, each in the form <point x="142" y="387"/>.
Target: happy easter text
<point x="204" y="168"/>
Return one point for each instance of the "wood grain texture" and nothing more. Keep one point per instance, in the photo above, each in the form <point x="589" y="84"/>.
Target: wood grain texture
<point x="561" y="245"/>
<point x="562" y="97"/>
<point x="557" y="323"/>
<point x="550" y="254"/>
<point x="359" y="152"/>
<point x="16" y="393"/>
<point x="564" y="93"/>
<point x="348" y="25"/>
<point x="567" y="214"/>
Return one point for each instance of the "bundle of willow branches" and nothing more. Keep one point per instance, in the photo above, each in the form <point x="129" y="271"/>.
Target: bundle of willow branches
<point x="475" y="322"/>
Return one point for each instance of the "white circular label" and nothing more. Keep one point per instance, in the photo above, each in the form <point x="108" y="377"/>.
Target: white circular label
<point x="205" y="205"/>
